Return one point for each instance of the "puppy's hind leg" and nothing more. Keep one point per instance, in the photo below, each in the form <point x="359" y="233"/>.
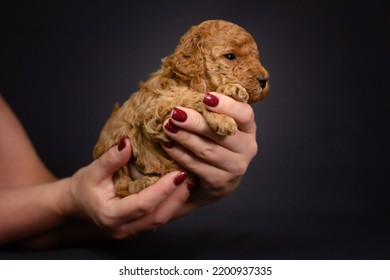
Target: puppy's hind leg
<point x="125" y="186"/>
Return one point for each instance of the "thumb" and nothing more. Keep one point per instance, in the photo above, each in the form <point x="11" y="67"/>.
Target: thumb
<point x="112" y="160"/>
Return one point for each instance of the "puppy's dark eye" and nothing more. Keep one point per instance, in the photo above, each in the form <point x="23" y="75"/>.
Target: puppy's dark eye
<point x="230" y="56"/>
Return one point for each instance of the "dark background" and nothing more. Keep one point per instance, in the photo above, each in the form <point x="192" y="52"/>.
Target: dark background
<point x="318" y="188"/>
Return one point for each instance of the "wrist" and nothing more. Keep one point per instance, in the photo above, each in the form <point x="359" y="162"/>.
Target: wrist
<point x="64" y="205"/>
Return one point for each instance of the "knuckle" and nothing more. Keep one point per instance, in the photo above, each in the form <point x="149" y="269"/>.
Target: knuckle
<point x="144" y="206"/>
<point x="223" y="184"/>
<point x="253" y="149"/>
<point x="219" y="191"/>
<point x="248" y="115"/>
<point x="160" y="220"/>
<point x="239" y="169"/>
<point x="218" y="184"/>
<point x="185" y="159"/>
<point x="166" y="191"/>
<point x="190" y="163"/>
<point x="208" y="150"/>
<point x="180" y="156"/>
<point x="107" y="221"/>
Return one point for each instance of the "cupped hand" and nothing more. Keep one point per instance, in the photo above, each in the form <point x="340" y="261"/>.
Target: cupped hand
<point x="219" y="161"/>
<point x="91" y="194"/>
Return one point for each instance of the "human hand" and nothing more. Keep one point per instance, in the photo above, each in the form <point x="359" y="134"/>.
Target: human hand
<point x="91" y="194"/>
<point x="219" y="161"/>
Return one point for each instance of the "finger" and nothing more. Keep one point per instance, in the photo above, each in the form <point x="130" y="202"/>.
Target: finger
<point x="241" y="112"/>
<point x="213" y="175"/>
<point x="194" y="122"/>
<point x="112" y="160"/>
<point x="146" y="201"/>
<point x="163" y="214"/>
<point x="209" y="151"/>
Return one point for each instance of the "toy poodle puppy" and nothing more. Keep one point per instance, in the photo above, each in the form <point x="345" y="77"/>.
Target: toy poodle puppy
<point x="215" y="55"/>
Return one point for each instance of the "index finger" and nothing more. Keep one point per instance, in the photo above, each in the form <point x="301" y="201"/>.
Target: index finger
<point x="241" y="112"/>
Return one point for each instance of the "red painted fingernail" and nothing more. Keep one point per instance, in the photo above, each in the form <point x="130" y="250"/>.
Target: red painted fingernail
<point x="190" y="186"/>
<point x="180" y="178"/>
<point x="170" y="126"/>
<point x="210" y="100"/>
<point x="179" y="115"/>
<point x="122" y="144"/>
<point x="169" y="145"/>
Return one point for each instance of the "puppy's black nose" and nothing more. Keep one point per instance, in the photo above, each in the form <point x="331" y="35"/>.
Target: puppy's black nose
<point x="263" y="81"/>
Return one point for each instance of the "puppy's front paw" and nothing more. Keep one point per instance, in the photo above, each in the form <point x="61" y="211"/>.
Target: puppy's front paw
<point x="236" y="91"/>
<point x="221" y="124"/>
<point x="228" y="126"/>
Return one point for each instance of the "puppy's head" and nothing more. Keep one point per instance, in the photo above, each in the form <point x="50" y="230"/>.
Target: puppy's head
<point x="217" y="52"/>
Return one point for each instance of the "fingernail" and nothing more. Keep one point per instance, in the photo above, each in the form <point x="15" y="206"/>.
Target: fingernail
<point x="179" y="115"/>
<point x="210" y="100"/>
<point x="190" y="186"/>
<point x="122" y="144"/>
<point x="170" y="126"/>
<point x="169" y="145"/>
<point x="180" y="178"/>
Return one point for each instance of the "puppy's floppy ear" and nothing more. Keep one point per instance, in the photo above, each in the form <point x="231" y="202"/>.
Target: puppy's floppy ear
<point x="187" y="59"/>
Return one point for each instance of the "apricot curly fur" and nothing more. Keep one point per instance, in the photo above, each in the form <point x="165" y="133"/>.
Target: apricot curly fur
<point x="201" y="62"/>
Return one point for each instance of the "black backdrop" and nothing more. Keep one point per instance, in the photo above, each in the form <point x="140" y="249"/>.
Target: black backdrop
<point x="318" y="188"/>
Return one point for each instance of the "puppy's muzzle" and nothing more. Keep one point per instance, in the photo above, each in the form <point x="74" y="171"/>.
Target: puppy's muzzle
<point x="262" y="81"/>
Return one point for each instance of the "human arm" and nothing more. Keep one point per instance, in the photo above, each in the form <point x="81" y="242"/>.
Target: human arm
<point x="37" y="204"/>
<point x="89" y="194"/>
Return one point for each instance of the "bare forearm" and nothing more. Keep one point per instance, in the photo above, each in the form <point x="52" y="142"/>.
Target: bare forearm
<point x="31" y="210"/>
